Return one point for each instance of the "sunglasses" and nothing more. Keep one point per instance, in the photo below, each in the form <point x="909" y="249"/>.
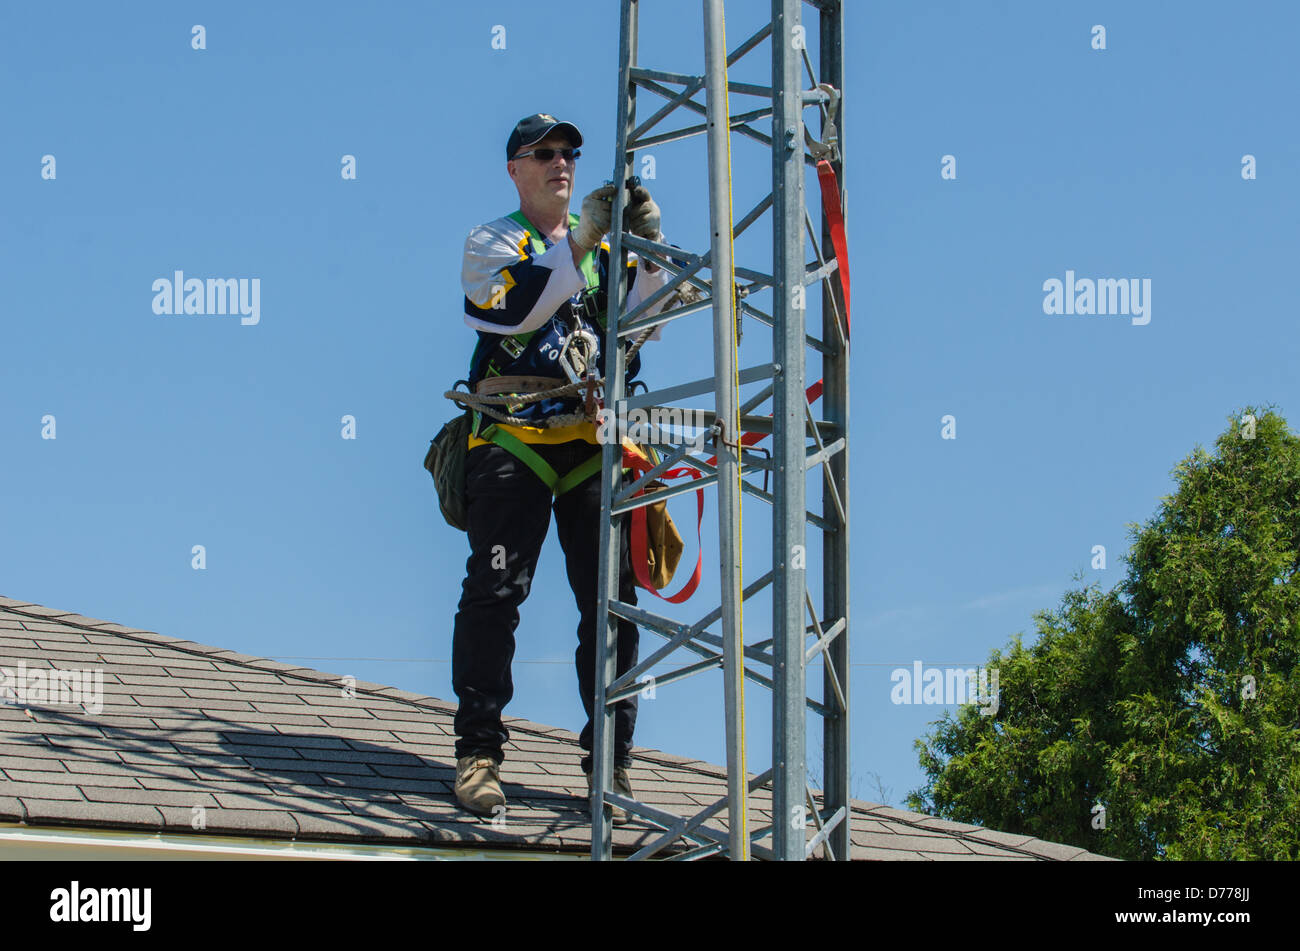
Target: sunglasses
<point x="545" y="155"/>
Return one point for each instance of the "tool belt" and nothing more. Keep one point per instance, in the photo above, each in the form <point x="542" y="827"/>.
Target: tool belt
<point x="517" y="386"/>
<point x="496" y="385"/>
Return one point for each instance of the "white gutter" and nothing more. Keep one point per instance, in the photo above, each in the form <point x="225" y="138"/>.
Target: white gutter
<point x="70" y="843"/>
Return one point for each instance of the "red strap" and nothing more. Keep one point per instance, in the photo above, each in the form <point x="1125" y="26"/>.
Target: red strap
<point x="640" y="539"/>
<point x="835" y="217"/>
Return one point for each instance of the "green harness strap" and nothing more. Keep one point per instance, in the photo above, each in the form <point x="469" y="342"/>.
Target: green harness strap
<point x="528" y="456"/>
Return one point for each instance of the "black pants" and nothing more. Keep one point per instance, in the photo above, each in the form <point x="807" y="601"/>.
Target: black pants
<point x="509" y="515"/>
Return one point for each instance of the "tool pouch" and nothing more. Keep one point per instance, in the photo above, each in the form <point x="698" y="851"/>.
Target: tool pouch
<point x="445" y="461"/>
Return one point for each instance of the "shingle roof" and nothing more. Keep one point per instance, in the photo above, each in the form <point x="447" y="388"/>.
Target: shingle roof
<point x="270" y="749"/>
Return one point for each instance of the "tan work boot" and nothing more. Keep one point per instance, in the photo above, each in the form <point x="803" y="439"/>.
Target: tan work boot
<point x="478" y="783"/>
<point x="623" y="787"/>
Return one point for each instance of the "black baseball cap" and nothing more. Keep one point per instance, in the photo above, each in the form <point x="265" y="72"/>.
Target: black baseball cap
<point x="537" y="127"/>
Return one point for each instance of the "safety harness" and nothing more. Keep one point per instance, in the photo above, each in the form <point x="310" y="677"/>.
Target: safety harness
<point x="577" y="359"/>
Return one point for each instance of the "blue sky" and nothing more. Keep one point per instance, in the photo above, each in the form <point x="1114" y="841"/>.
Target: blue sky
<point x="224" y="162"/>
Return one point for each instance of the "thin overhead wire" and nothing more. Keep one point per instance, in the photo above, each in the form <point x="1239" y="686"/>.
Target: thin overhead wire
<point x="567" y="660"/>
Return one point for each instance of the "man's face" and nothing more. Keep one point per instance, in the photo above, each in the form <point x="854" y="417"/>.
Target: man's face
<point x="543" y="180"/>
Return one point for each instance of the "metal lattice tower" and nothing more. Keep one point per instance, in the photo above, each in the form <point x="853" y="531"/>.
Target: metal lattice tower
<point x="801" y="441"/>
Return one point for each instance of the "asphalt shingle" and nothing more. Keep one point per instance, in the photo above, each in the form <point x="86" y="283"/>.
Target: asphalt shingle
<point x="191" y="735"/>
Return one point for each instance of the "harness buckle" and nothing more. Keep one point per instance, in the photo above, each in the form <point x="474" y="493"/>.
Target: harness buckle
<point x="588" y="305"/>
<point x="578" y="355"/>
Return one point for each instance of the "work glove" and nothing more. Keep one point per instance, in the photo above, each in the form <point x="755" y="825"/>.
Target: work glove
<point x="643" y="215"/>
<point x="593" y="222"/>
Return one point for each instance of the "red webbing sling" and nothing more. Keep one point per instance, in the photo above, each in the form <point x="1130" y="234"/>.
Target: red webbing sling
<point x="835" y="218"/>
<point x="640" y="542"/>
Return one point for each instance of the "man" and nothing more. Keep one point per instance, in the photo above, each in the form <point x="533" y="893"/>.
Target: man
<point x="533" y="280"/>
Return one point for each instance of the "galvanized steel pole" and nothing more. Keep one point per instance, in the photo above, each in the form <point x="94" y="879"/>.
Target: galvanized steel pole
<point x="788" y="544"/>
<point x="726" y="422"/>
